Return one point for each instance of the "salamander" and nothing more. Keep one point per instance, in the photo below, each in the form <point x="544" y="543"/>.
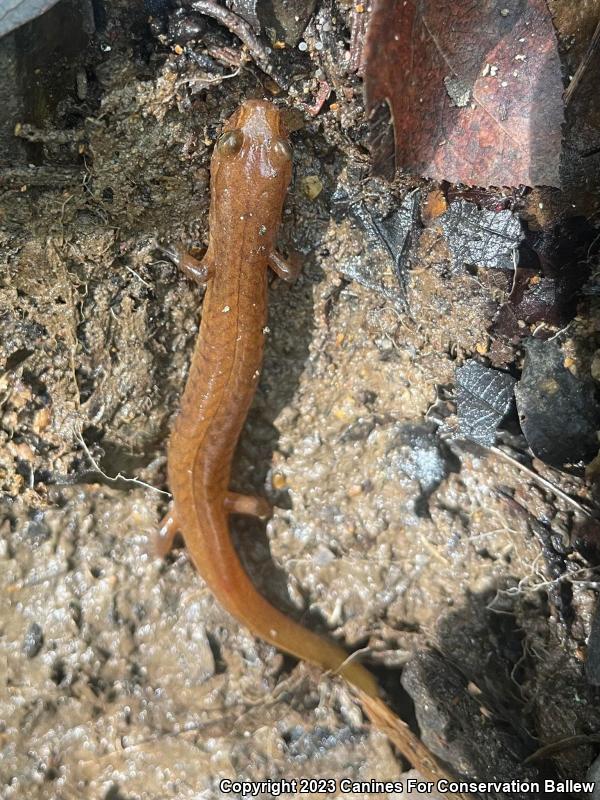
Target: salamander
<point x="251" y="169"/>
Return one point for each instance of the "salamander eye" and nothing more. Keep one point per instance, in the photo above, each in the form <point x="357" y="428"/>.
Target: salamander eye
<point x="283" y="149"/>
<point x="230" y="142"/>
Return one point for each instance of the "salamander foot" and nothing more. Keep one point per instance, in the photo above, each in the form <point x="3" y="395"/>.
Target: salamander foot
<point x="247" y="504"/>
<point x="165" y="536"/>
<point x="286" y="269"/>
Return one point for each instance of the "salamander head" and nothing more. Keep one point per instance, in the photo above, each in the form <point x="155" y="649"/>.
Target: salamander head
<point x="255" y="139"/>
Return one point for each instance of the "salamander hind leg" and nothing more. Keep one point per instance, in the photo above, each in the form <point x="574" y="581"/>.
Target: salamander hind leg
<point x="287" y="270"/>
<point x="247" y="504"/>
<point x="165" y="536"/>
<point x="197" y="270"/>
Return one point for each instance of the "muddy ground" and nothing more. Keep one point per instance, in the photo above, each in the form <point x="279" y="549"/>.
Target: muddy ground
<point x="121" y="677"/>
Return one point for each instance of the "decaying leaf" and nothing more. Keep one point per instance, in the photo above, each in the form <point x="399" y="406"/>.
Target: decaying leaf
<point x="558" y="411"/>
<point x="280" y="20"/>
<point x="475" y="89"/>
<point x="483" y="398"/>
<point x="391" y="236"/>
<point x="553" y="267"/>
<point x="481" y="238"/>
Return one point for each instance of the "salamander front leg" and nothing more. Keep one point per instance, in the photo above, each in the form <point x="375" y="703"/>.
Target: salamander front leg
<point x="286" y="270"/>
<point x="165" y="536"/>
<point x="197" y="270"/>
<point x="247" y="504"/>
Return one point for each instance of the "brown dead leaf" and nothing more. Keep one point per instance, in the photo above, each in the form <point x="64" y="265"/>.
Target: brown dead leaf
<point x="474" y="89"/>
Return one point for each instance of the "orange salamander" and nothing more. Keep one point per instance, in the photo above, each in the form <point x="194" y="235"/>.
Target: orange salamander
<point x="251" y="169"/>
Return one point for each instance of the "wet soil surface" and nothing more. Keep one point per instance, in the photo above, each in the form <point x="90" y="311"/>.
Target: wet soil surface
<point x="469" y="582"/>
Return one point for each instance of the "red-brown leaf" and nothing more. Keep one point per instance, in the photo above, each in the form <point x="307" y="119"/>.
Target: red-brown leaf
<point x="501" y="55"/>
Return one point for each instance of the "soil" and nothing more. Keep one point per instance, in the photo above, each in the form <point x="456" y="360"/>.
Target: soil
<point x="122" y="679"/>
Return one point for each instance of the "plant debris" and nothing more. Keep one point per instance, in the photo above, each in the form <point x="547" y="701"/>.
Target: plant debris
<point x="284" y="22"/>
<point x="393" y="234"/>
<point x="592" y="665"/>
<point x="558" y="411"/>
<point x="552" y="270"/>
<point x="483" y="397"/>
<point x="475" y="91"/>
<point x="237" y="25"/>
<point x="481" y="238"/>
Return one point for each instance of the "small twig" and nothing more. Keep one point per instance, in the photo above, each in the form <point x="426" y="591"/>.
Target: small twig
<point x="542" y="481"/>
<point x="515" y="272"/>
<point x="118" y="476"/>
<point x="321" y="97"/>
<point x="241" y="29"/>
<point x="561" y="331"/>
<point x="358" y="34"/>
<point x="59" y="177"/>
<point x="563" y="744"/>
<point x="23" y="130"/>
<point x="575" y="80"/>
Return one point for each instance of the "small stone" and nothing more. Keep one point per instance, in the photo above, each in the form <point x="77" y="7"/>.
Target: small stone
<point x="278" y="481"/>
<point x="33" y="640"/>
<point x="595" y="366"/>
<point x="312" y="186"/>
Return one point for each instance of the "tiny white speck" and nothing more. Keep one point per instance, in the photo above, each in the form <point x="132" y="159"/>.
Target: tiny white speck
<point x="504" y="83"/>
<point x="520" y="57"/>
<point x="540" y="205"/>
<point x="256" y="374"/>
<point x="225" y="309"/>
<point x="493" y="69"/>
<point x="302" y="47"/>
<point x="266" y="330"/>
